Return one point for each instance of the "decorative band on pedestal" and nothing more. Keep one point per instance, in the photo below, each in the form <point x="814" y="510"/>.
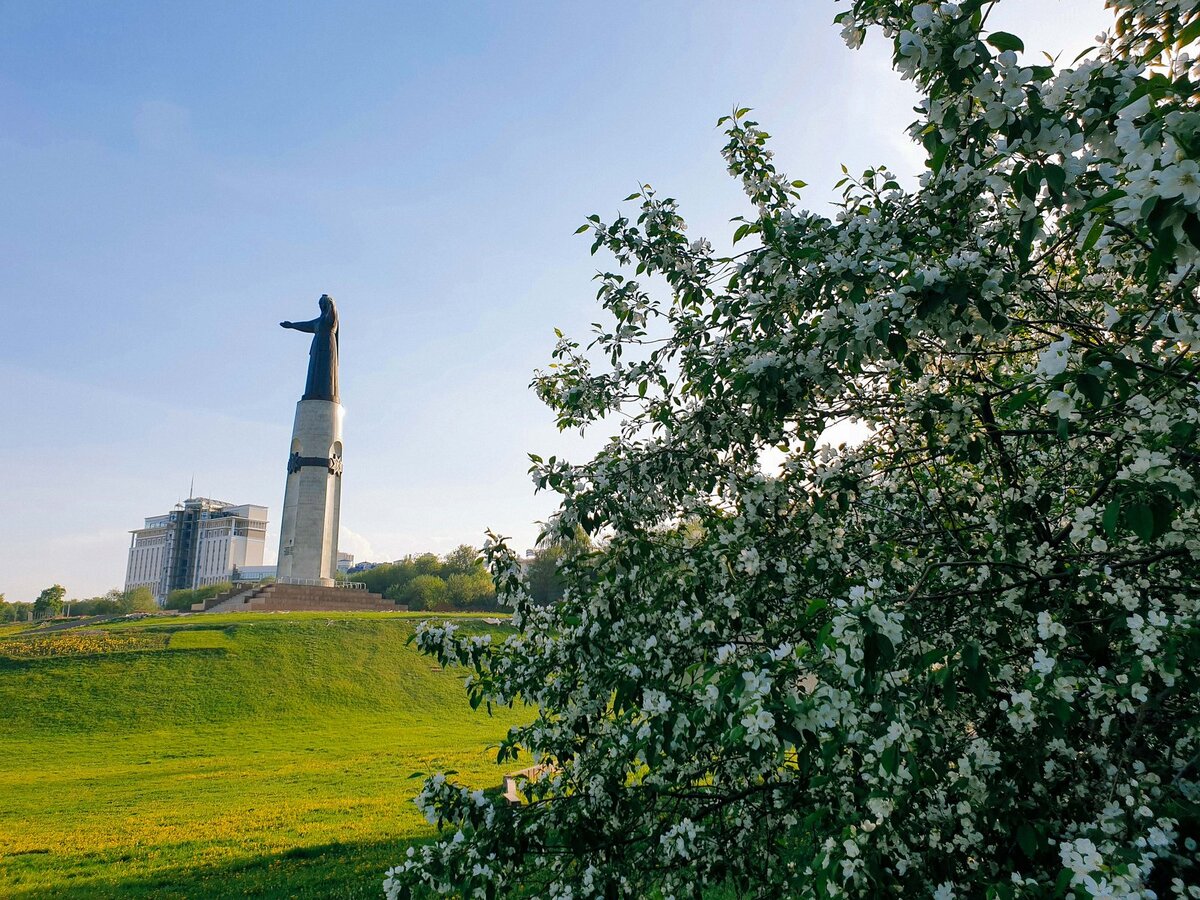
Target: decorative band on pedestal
<point x="333" y="464"/>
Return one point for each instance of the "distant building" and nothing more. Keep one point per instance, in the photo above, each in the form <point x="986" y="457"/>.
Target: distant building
<point x="197" y="543"/>
<point x="345" y="562"/>
<point x="254" y="573"/>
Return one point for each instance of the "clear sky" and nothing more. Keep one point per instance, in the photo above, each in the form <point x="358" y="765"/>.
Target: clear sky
<point x="177" y="178"/>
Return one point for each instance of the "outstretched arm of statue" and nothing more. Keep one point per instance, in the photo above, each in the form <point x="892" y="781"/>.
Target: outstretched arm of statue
<point x="309" y="327"/>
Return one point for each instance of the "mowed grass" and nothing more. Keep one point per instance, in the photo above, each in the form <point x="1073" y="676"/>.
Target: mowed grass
<point x="264" y="755"/>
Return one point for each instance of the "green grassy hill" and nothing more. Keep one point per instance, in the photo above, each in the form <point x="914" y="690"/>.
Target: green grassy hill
<point x="214" y="756"/>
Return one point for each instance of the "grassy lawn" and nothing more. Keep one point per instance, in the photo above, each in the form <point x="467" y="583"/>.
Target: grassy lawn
<point x="216" y="756"/>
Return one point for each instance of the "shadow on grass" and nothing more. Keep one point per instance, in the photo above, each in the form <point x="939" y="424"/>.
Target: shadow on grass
<point x="344" y="871"/>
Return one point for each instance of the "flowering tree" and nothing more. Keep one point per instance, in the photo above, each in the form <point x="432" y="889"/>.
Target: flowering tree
<point x="959" y="658"/>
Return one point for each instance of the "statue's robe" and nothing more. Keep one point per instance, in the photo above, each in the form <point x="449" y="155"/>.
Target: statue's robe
<point x="322" y="381"/>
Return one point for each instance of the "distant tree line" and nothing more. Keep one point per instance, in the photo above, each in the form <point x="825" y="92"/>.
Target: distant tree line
<point x="183" y="598"/>
<point x="114" y="602"/>
<point x="15" y="611"/>
<point x="52" y="603"/>
<point x="545" y="582"/>
<point x="457" y="580"/>
<point x="423" y="581"/>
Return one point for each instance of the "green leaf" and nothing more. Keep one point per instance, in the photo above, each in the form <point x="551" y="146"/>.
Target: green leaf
<point x="1103" y="200"/>
<point x="790" y="733"/>
<point x="890" y="760"/>
<point x="642" y="388"/>
<point x="878" y="652"/>
<point x="1190" y="33"/>
<point x="1028" y="839"/>
<point x="979" y="681"/>
<point x="1025" y="237"/>
<point x="582" y="228"/>
<point x="1140" y="518"/>
<point x="938" y="157"/>
<point x="1090" y="386"/>
<point x="1093" y="234"/>
<point x="1112" y="514"/>
<point x="1191" y="226"/>
<point x="1056" y="178"/>
<point x="970" y="655"/>
<point x="1002" y="41"/>
<point x="1062" y="882"/>
<point x="1124" y="366"/>
<point x="949" y="689"/>
<point x="1033" y="178"/>
<point x="1163" y="511"/>
<point x="1155" y="263"/>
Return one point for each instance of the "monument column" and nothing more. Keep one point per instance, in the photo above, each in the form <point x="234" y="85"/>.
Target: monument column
<point x="312" y="497"/>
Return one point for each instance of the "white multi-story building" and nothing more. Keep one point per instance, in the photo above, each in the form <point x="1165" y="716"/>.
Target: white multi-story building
<point x="199" y="542"/>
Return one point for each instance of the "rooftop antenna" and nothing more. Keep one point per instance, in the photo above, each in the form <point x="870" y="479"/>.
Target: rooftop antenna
<point x="192" y="487"/>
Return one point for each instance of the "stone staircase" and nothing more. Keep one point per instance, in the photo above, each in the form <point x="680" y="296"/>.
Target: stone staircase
<point x="282" y="597"/>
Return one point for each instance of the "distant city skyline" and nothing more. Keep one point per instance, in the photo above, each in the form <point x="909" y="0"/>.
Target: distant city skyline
<point x="178" y="179"/>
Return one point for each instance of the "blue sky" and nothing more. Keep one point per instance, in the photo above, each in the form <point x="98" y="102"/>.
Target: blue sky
<point x="178" y="178"/>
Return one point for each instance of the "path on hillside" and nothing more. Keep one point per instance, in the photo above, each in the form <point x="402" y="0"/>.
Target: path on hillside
<point x="68" y="623"/>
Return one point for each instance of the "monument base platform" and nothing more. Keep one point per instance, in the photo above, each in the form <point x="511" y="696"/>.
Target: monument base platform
<point x="282" y="597"/>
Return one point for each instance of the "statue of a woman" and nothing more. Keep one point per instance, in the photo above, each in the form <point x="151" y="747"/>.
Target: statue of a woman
<point x="323" y="354"/>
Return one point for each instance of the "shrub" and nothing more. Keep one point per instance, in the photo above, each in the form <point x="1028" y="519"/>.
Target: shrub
<point x="957" y="658"/>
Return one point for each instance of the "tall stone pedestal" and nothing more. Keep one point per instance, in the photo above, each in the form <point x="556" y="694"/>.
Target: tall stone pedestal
<point x="312" y="500"/>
